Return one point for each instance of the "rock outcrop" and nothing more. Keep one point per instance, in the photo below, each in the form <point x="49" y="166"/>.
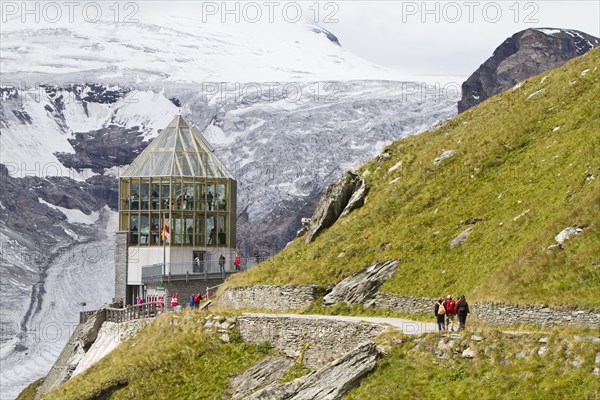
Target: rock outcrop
<point x="328" y="383"/>
<point x="261" y="374"/>
<point x="334" y="202"/>
<point x="362" y="286"/>
<point x="523" y="55"/>
<point x="74" y="351"/>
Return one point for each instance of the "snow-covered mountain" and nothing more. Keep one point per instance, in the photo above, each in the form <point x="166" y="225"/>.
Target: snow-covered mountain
<point x="287" y="110"/>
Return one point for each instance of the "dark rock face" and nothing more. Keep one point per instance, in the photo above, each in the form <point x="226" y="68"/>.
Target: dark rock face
<point x="523" y="55"/>
<point x="333" y="203"/>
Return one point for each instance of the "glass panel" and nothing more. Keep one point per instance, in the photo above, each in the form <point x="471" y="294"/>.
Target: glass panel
<point x="222" y="236"/>
<point x="199" y="196"/>
<point x="155" y="229"/>
<point x="134" y="223"/>
<point x="188" y="195"/>
<point x="144" y="229"/>
<point x="210" y="197"/>
<point x="200" y="229"/>
<point x="189" y="229"/>
<point x="221" y="202"/>
<point x="177" y="230"/>
<point x="211" y="230"/>
<point x="187" y="140"/>
<point x="135" y="194"/>
<point x="154" y="198"/>
<point x="165" y="195"/>
<point x="145" y="196"/>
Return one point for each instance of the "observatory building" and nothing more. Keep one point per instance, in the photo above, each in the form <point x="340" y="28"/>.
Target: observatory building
<point x="177" y="218"/>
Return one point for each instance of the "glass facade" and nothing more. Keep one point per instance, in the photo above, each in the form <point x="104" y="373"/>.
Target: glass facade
<point x="178" y="181"/>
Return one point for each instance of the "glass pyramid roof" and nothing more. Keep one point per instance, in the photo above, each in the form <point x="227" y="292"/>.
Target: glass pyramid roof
<point x="177" y="151"/>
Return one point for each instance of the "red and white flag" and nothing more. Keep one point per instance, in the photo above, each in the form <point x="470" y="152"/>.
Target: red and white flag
<point x="165" y="232"/>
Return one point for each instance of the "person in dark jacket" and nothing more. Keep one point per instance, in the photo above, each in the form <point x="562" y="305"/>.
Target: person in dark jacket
<point x="440" y="314"/>
<point x="462" y="310"/>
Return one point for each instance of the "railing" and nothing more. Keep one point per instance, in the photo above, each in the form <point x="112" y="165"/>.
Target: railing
<point x="138" y="311"/>
<point x="85" y="315"/>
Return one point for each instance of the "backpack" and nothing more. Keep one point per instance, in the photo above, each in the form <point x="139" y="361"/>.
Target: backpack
<point x="441" y="309"/>
<point x="451" y="306"/>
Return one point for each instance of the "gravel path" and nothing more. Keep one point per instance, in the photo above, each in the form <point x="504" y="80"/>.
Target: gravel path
<point x="405" y="325"/>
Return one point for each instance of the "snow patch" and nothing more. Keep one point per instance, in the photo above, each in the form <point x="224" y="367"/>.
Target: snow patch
<point x="74" y="216"/>
<point x="549" y="31"/>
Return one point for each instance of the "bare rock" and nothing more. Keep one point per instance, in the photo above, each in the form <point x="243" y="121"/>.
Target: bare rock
<point x="332" y="204"/>
<point x="79" y="343"/>
<point x="468" y="353"/>
<point x="566" y="234"/>
<point x="525" y="54"/>
<point x="446" y="154"/>
<point x="358" y="198"/>
<point x="362" y="286"/>
<point x="261" y="374"/>
<point x="328" y="383"/>
<point x="461" y="238"/>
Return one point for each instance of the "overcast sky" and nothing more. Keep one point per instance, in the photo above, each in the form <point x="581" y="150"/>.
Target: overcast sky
<point x="404" y="36"/>
<point x="414" y="37"/>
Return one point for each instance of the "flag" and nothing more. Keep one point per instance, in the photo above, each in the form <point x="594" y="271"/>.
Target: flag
<point x="165" y="232"/>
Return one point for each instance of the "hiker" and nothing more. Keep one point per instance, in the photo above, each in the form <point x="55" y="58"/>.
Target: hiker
<point x="450" y="306"/>
<point x="191" y="301"/>
<point x="197" y="298"/>
<point x="237" y="262"/>
<point x="221" y="263"/>
<point x="462" y="309"/>
<point x="440" y="313"/>
<point x="140" y="300"/>
<point x="175" y="300"/>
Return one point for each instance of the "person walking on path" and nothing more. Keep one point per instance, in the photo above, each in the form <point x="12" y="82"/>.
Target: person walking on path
<point x="440" y="313"/>
<point x="450" y="306"/>
<point x="221" y="263"/>
<point x="191" y="301"/>
<point x="462" y="310"/>
<point x="238" y="262"/>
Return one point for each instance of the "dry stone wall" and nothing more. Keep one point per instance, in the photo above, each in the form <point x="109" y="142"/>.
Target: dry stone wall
<point x="317" y="341"/>
<point x="275" y="298"/>
<point x="496" y="313"/>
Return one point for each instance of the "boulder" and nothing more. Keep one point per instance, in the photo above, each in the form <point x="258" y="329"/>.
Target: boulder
<point x="331" y="382"/>
<point x="362" y="286"/>
<point x="357" y="200"/>
<point x="446" y="154"/>
<point x="332" y="204"/>
<point x="461" y="238"/>
<point x="468" y="353"/>
<point x="261" y="374"/>
<point x="566" y="234"/>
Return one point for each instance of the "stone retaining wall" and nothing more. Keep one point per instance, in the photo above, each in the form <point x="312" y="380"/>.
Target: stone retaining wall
<point x="276" y="298"/>
<point x="496" y="313"/>
<point x="319" y="341"/>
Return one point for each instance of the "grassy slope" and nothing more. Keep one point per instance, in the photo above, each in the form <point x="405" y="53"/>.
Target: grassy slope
<point x="409" y="373"/>
<point x="510" y="160"/>
<point x="172" y="358"/>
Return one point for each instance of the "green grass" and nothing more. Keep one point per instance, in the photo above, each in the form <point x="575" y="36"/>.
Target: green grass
<point x="409" y="373"/>
<point x="510" y="161"/>
<point x="172" y="358"/>
<point x="30" y="391"/>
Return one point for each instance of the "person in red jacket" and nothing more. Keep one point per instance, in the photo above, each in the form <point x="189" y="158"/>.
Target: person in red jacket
<point x="237" y="262"/>
<point x="450" y="307"/>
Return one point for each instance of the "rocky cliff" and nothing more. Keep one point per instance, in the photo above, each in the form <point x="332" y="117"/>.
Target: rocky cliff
<point x="523" y="55"/>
